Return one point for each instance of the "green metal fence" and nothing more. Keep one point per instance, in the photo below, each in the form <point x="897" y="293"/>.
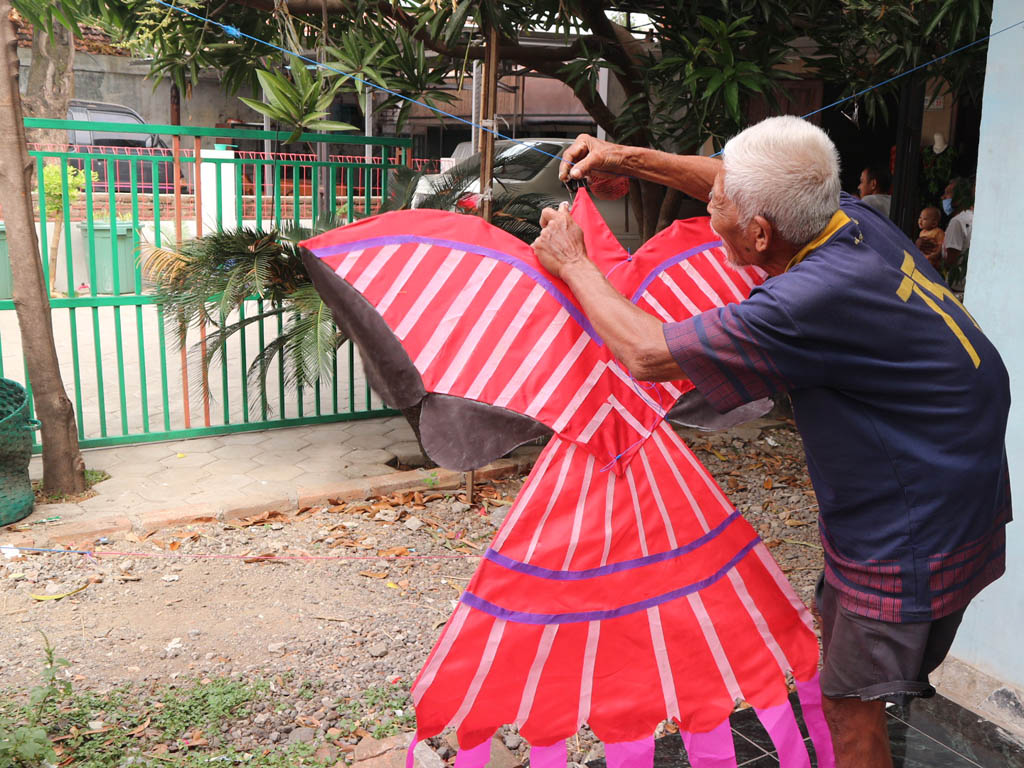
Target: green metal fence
<point x="129" y="378"/>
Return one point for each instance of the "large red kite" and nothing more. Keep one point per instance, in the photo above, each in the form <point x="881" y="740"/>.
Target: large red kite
<point x="623" y="588"/>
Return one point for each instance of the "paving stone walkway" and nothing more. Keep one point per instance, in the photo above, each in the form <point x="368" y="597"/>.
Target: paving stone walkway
<point x="232" y="476"/>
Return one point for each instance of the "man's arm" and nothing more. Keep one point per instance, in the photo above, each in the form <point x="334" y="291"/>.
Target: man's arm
<point x="692" y="174"/>
<point x="633" y="336"/>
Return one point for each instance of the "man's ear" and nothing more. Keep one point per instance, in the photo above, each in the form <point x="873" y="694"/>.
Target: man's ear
<point x="763" y="233"/>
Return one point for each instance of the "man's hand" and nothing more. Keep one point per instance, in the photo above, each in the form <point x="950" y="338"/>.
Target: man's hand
<point x="587" y="156"/>
<point x="609" y="167"/>
<point x="561" y="241"/>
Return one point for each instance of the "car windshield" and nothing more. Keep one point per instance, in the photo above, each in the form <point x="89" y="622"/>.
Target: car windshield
<point x="521" y="162"/>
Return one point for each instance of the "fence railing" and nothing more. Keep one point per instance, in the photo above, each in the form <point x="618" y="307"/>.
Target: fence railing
<point x="129" y="375"/>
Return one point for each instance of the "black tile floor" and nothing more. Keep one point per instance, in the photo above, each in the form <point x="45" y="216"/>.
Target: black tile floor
<point x="931" y="733"/>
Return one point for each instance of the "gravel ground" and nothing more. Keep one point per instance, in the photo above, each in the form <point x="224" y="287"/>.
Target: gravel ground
<point x="180" y="605"/>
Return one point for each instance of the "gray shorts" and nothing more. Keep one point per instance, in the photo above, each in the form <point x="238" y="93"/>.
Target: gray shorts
<point x="870" y="660"/>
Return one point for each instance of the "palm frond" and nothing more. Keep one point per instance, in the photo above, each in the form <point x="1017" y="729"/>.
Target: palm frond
<point x="401" y="189"/>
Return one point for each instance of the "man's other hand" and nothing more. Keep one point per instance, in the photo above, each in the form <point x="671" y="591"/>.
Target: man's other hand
<point x="561" y="241"/>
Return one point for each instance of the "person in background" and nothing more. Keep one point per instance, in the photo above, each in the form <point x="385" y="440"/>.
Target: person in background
<point x="874" y="188"/>
<point x="958" y="202"/>
<point x="930" y="238"/>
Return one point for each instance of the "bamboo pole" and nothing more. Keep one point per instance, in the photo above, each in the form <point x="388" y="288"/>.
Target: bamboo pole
<point x="489" y="107"/>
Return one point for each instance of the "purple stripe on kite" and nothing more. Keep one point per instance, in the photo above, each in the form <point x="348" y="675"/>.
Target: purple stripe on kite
<point x="604" y="570"/>
<point x="630" y="754"/>
<point x="522" y="617"/>
<point x="530" y="271"/>
<point x="668" y="263"/>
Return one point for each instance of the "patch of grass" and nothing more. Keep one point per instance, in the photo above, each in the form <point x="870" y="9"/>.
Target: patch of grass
<point x="92" y="476"/>
<point x="203" y="707"/>
<point x="128" y="724"/>
<point x="383" y="710"/>
<point x="308" y="690"/>
<point x="168" y="726"/>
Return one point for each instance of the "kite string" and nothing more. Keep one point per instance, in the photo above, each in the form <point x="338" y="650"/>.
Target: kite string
<point x="235" y="32"/>
<point x="95" y="553"/>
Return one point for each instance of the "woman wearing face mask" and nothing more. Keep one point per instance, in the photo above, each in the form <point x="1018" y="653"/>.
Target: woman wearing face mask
<point x="958" y="202"/>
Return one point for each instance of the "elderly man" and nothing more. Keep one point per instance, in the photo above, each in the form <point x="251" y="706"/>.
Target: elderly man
<point x="899" y="397"/>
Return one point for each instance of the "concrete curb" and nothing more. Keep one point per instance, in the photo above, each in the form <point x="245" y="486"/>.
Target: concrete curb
<point x="85" y="532"/>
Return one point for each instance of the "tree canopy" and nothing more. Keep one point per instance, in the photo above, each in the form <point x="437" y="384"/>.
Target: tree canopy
<point x="685" y="75"/>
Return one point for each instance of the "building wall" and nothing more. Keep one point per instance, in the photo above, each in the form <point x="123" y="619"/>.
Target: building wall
<point x="990" y="637"/>
<point x="122" y="80"/>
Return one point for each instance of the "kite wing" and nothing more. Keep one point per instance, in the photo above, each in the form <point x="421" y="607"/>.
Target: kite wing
<point x="453" y="313"/>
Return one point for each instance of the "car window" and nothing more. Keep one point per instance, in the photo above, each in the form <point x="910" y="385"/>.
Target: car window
<point x="521" y="162"/>
<point x="104" y="138"/>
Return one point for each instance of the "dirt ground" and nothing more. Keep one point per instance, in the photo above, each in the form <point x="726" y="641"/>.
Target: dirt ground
<point x="207" y="602"/>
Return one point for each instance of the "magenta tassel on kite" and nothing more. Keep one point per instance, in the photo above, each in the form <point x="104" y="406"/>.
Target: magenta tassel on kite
<point x="711" y="749"/>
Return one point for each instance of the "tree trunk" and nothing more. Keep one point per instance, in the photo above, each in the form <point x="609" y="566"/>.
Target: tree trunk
<point x="51" y="82"/>
<point x="63" y="467"/>
<point x="58" y="226"/>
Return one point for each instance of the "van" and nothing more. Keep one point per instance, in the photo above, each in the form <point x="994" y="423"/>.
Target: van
<point x="128" y="143"/>
<point x="100" y="112"/>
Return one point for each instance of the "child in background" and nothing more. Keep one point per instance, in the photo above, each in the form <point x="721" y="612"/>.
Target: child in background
<point x="930" y="238"/>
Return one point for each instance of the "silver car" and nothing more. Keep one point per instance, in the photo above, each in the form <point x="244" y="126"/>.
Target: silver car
<point x="520" y="169"/>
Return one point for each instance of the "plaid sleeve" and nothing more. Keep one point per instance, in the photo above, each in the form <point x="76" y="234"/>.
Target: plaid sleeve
<point x="718" y="354"/>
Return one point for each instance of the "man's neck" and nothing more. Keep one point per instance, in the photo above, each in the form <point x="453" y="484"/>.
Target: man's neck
<point x="779" y="256"/>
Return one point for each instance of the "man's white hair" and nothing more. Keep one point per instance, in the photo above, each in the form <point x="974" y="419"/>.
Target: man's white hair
<point x="787" y="170"/>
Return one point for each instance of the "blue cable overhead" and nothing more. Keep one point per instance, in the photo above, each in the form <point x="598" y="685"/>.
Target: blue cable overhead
<point x="237" y="33"/>
<point x="234" y="32"/>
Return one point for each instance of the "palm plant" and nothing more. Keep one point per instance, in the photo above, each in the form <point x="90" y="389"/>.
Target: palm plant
<point x="204" y="283"/>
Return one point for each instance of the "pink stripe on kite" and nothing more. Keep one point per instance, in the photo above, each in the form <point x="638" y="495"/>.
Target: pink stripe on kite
<point x="713" y="749"/>
<point x="630" y="754"/>
<point x="410" y="759"/>
<point x="809" y="692"/>
<point x="780" y="722"/>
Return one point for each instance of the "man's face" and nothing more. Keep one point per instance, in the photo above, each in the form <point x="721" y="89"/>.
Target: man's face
<point x="867" y="186"/>
<point x="948" y="194"/>
<point x="739" y="243"/>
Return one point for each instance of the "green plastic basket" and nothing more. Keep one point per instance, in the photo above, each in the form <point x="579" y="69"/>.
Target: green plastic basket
<point x="16" y="498"/>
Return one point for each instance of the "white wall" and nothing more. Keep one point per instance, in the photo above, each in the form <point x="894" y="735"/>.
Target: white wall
<point x="990" y="637"/>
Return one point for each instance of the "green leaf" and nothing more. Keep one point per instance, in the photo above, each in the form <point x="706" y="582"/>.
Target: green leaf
<point x="276" y="88"/>
<point x="937" y="18"/>
<point x="732" y="99"/>
<point x="713" y="85"/>
<point x="330" y="125"/>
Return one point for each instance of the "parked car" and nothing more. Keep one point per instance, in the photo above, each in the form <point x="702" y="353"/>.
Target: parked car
<point x="128" y="144"/>
<point x="520" y="168"/>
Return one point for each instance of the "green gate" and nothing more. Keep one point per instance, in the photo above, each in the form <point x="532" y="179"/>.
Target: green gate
<point x="123" y="366"/>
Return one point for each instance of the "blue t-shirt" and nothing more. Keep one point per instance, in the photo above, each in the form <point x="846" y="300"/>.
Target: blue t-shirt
<point x="900" y="399"/>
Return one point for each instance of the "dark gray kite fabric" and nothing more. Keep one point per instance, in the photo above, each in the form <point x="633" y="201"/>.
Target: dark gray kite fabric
<point x="457" y="433"/>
